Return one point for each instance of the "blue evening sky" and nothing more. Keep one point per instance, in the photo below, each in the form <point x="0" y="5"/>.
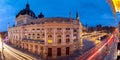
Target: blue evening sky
<point x="92" y="12"/>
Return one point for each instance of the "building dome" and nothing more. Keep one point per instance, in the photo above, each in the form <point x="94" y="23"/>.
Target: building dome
<point x="41" y="15"/>
<point x="26" y="11"/>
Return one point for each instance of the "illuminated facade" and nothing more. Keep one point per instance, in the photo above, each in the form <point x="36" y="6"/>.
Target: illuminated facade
<point x="47" y="37"/>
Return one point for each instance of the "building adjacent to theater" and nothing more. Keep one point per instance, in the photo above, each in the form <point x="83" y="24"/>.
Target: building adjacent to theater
<point x="48" y="37"/>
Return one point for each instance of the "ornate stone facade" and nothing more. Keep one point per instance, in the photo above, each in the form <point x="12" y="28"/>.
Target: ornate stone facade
<point x="47" y="37"/>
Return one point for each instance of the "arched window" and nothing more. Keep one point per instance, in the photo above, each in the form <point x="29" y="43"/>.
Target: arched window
<point x="67" y="40"/>
<point x="49" y="36"/>
<point x="67" y="35"/>
<point x="50" y="41"/>
<point x="59" y="39"/>
<point x="59" y="36"/>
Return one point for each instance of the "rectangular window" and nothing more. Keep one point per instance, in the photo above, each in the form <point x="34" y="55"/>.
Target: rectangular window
<point x="49" y="52"/>
<point x="38" y="29"/>
<point x="59" y="40"/>
<point x="67" y="50"/>
<point x="33" y="29"/>
<point x="67" y="28"/>
<point x="59" y="28"/>
<point x="38" y="37"/>
<point x="42" y="29"/>
<point x="38" y="34"/>
<point x="58" y="51"/>
<point x="74" y="30"/>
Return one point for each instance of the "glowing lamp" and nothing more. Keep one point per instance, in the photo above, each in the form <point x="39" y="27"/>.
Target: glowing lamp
<point x="50" y="41"/>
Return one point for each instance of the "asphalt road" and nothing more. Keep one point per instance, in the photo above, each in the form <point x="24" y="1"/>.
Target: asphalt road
<point x="113" y="51"/>
<point x="9" y="53"/>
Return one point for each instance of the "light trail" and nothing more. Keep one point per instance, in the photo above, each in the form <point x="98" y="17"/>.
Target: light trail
<point x="0" y="42"/>
<point x="94" y="54"/>
<point x="19" y="53"/>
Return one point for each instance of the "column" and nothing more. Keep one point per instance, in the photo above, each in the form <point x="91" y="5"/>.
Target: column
<point x="54" y="36"/>
<point x="71" y="37"/>
<point x="80" y="37"/>
<point x="63" y="51"/>
<point x="21" y="34"/>
<point x="29" y="47"/>
<point x="63" y="37"/>
<point x="45" y="33"/>
<point x="9" y="34"/>
<point x="38" y="50"/>
<point x="54" y="52"/>
<point x="33" y="48"/>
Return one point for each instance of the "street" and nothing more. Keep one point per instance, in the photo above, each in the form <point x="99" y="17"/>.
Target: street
<point x="113" y="51"/>
<point x="9" y="53"/>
